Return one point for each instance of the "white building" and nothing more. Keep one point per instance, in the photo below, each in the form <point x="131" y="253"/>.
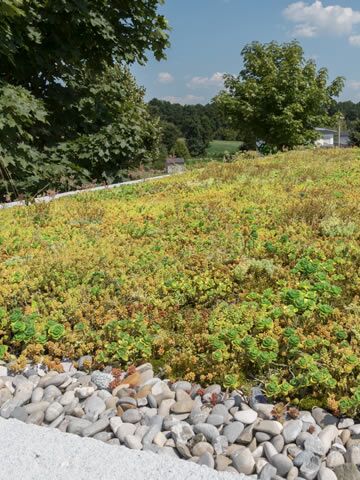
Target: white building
<point x="326" y="137"/>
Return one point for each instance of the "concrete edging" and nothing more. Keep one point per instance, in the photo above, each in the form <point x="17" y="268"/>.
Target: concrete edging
<point x="29" y="452"/>
<point x="49" y="198"/>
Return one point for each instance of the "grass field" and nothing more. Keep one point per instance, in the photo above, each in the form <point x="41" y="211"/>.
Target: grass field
<point x="237" y="273"/>
<point x="219" y="147"/>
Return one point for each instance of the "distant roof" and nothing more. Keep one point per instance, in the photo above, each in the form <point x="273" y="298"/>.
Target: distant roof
<point x="175" y="161"/>
<point x="325" y="130"/>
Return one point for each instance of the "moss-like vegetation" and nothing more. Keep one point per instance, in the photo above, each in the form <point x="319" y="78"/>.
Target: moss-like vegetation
<point x="236" y="273"/>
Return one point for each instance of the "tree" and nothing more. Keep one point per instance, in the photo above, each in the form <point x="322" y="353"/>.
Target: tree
<point x="279" y="97"/>
<point x="169" y="134"/>
<point x="68" y="59"/>
<point x="180" y="149"/>
<point x="355" y="134"/>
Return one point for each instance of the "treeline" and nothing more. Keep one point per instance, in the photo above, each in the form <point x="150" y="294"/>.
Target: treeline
<point x="197" y="124"/>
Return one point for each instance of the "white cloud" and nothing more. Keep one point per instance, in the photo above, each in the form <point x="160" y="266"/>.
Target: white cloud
<point x="354" y="84"/>
<point x="165" y="77"/>
<point x="312" y="19"/>
<point x="186" y="100"/>
<point x="354" y="40"/>
<point x="216" y="80"/>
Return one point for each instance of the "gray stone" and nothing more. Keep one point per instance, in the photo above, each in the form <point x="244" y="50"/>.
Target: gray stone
<point x="153" y="403"/>
<point x="5" y="396"/>
<point x="272" y="427"/>
<point x="181" y="432"/>
<point x="220" y="444"/>
<point x="183" y="451"/>
<point x="345" y="423"/>
<point x="300" y="440"/>
<point x="246" y="436"/>
<point x="262" y="437"/>
<point x="198" y="415"/>
<point x="67" y="398"/>
<point x="260" y="464"/>
<point x="278" y="442"/>
<point x="243" y="461"/>
<point x="269" y="450"/>
<point x="170" y="421"/>
<point x="310" y="468"/>
<point x="52" y="378"/>
<point x="37" y="395"/>
<point x="84" y="392"/>
<point x="141" y="431"/>
<point x="131" y="416"/>
<point x="247" y="417"/>
<point x="20" y="414"/>
<point x="182" y="406"/>
<point x="282" y="463"/>
<point x="53" y="411"/>
<point x="334" y="459"/>
<point x="36" y="418"/>
<point x="221" y="409"/>
<point x="355" y="429"/>
<point x="267" y="472"/>
<point x="323" y="418"/>
<point x="55" y="423"/>
<point x="293" y="474"/>
<point x="215" y="420"/>
<point x="37" y="407"/>
<point x="210" y="432"/>
<point x="103" y="436"/>
<point x="233" y="431"/>
<point x="352" y="455"/>
<point x="127" y="401"/>
<point x="51" y="392"/>
<point x="165" y="406"/>
<point x="326" y="474"/>
<point x="159" y="439"/>
<point x="155" y="427"/>
<point x="302" y="457"/>
<point x="125" y="429"/>
<point x="101" y="379"/>
<point x="96" y="427"/>
<point x="202" y="447"/>
<point x="292" y="429"/>
<point x="347" y="472"/>
<point x="77" y="425"/>
<point x="133" y="442"/>
<point x="182" y="385"/>
<point x="94" y="406"/>
<point x="207" y="459"/>
<point x="221" y="462"/>
<point x="327" y="436"/>
<point x="264" y="410"/>
<point x="314" y="445"/>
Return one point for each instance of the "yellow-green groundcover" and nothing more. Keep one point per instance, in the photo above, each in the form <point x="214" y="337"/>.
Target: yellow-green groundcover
<point x="236" y="273"/>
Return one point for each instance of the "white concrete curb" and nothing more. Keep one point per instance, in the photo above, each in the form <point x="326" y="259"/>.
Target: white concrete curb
<point x="29" y="452"/>
<point x="49" y="198"/>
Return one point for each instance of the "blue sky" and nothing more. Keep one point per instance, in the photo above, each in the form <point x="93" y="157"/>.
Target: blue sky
<point x="208" y="35"/>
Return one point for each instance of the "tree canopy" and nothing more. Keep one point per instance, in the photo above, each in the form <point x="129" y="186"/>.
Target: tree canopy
<point x="65" y="84"/>
<point x="279" y="97"/>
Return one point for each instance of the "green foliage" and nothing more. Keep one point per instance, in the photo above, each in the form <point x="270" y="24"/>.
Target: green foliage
<point x="279" y="97"/>
<point x="180" y="149"/>
<point x="169" y="134"/>
<point x="355" y="133"/>
<point x="69" y="113"/>
<point x="199" y="124"/>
